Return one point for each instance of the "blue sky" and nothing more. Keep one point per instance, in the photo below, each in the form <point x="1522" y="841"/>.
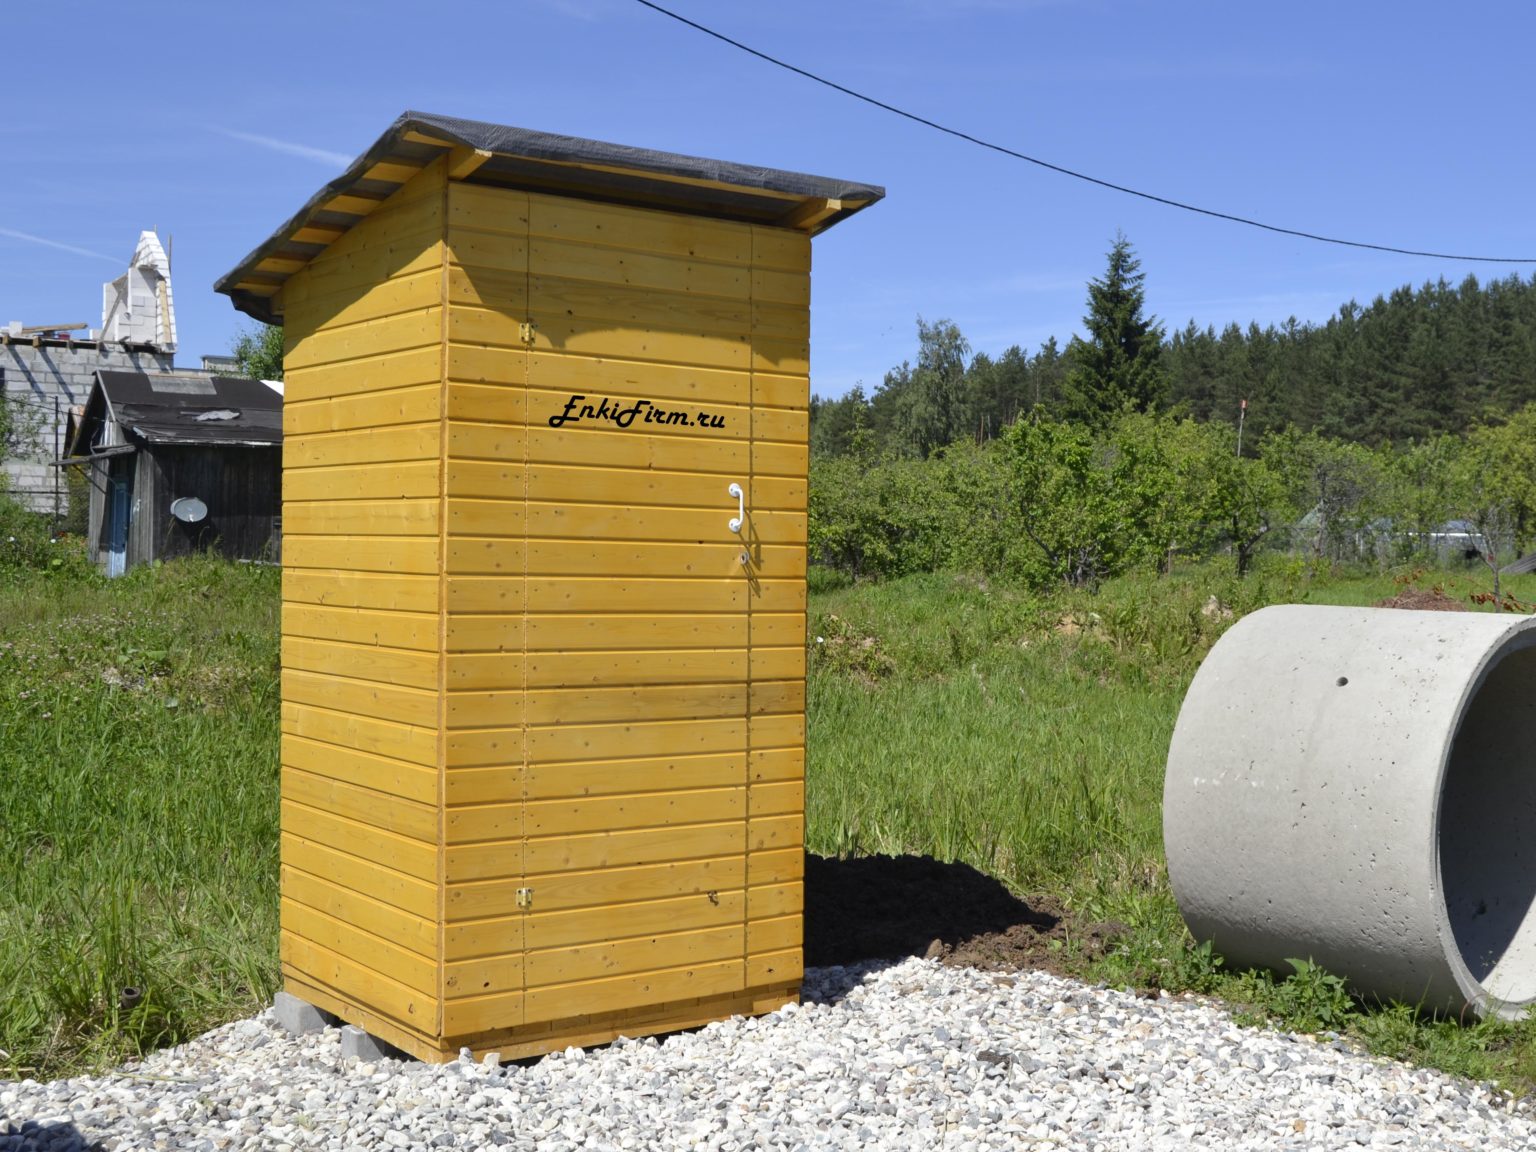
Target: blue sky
<point x="1402" y="123"/>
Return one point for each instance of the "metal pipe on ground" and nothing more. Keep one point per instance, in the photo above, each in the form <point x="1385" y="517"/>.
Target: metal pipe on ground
<point x="1357" y="787"/>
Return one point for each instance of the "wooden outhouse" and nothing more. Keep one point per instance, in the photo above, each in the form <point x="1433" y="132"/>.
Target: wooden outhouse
<point x="544" y="505"/>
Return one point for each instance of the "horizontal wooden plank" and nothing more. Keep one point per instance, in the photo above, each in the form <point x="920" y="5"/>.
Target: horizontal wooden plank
<point x="354" y="981"/>
<point x="660" y="525"/>
<point x="484" y="249"/>
<point x="599" y="742"/>
<point x="363" y="911"/>
<point x="777" y="663"/>
<point x="385" y="774"/>
<point x="608" y="408"/>
<point x="337" y="295"/>
<point x="576" y="816"/>
<point x="781" y="798"/>
<point x="781" y="286"/>
<point x="775" y="968"/>
<point x="778" y="629"/>
<point x="788" y="357"/>
<point x="366" y="880"/>
<point x="773" y="391"/>
<point x="584" y="706"/>
<point x="611" y="994"/>
<point x="778" y="731"/>
<point x="383" y="956"/>
<point x="580" y="632"/>
<point x="781" y="248"/>
<point x="405" y="554"/>
<point x="557" y="966"/>
<point x="377" y="737"/>
<point x="604" y="778"/>
<point x="361" y="698"/>
<point x="765" y="833"/>
<point x="500" y="289"/>
<point x="556" y="331"/>
<point x="415" y="858"/>
<point x="376" y="809"/>
<point x="552" y="930"/>
<point x="339" y="589"/>
<point x="391" y="481"/>
<point x="551" y="483"/>
<point x="639" y="229"/>
<point x="362" y="517"/>
<point x="397" y="370"/>
<point x="398" y="444"/>
<point x="541" y="444"/>
<point x="780" y="424"/>
<point x="484" y="976"/>
<point x="778" y="934"/>
<point x="776" y="866"/>
<point x="413" y="630"/>
<point x="465" y="1017"/>
<point x="770" y="900"/>
<point x="354" y="342"/>
<point x="553" y="892"/>
<point x="486" y="209"/>
<point x="492" y="594"/>
<point x="500" y="671"/>
<point x="608" y="304"/>
<point x="361" y="262"/>
<point x="414" y="405"/>
<point x="549" y="930"/>
<point x="774" y="765"/>
<point x="771" y="696"/>
<point x="626" y="848"/>
<point x="651" y="271"/>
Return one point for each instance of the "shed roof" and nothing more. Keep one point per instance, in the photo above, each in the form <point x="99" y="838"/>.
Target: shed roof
<point x="171" y="408"/>
<point x="504" y="156"/>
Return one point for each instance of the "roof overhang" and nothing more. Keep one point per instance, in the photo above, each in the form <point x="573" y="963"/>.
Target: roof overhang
<point x="502" y="156"/>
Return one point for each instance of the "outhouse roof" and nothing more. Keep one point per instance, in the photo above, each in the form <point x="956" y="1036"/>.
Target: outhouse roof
<point x="192" y="408"/>
<point x="508" y="157"/>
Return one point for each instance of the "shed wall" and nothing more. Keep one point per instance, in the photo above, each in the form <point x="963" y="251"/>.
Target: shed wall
<point x="361" y="623"/>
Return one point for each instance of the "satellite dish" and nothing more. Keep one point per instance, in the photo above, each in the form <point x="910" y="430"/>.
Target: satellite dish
<point x="188" y="509"/>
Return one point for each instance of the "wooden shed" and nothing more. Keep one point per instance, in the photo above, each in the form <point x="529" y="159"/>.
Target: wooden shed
<point x="544" y="499"/>
<point x="153" y="444"/>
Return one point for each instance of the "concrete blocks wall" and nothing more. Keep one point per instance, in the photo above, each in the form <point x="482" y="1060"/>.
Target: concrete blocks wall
<point x="34" y="376"/>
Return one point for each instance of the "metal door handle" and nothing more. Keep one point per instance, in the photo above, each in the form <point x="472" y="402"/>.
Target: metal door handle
<point x="741" y="507"/>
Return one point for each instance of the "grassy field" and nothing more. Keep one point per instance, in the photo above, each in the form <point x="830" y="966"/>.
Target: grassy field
<point x="948" y="716"/>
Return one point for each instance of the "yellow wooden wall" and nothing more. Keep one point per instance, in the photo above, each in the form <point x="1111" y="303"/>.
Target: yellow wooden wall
<point x="527" y="658"/>
<point x="361" y="625"/>
<point x="625" y="698"/>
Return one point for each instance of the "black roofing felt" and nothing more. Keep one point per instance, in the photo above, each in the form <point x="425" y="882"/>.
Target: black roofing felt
<point x="522" y="158"/>
<point x="165" y="408"/>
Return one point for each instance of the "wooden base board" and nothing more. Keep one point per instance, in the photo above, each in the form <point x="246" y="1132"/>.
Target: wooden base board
<point x="539" y="1039"/>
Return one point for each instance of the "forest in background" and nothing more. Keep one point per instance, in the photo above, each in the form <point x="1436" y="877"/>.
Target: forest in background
<point x="1366" y="437"/>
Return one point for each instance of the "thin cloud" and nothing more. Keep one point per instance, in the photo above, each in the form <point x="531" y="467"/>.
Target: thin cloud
<point x="318" y="155"/>
<point x="27" y="236"/>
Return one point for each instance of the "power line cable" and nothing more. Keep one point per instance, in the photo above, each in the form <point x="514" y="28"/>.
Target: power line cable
<point x="979" y="142"/>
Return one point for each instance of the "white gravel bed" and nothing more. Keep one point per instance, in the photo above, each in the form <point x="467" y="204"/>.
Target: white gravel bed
<point x="910" y="1056"/>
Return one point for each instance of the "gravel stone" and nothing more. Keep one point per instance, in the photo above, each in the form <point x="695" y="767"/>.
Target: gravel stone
<point x="911" y="1055"/>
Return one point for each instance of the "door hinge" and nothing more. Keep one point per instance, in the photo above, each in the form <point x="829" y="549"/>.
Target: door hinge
<point x="525" y="898"/>
<point x="525" y="331"/>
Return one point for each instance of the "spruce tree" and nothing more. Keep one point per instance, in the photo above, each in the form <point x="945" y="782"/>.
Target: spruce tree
<point x="1119" y="366"/>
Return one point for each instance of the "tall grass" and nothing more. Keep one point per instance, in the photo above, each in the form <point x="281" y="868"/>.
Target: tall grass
<point x="948" y="716"/>
<point x="138" y="808"/>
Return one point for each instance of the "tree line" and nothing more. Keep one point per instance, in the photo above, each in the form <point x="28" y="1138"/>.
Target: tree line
<point x="1406" y="428"/>
<point x="1411" y="365"/>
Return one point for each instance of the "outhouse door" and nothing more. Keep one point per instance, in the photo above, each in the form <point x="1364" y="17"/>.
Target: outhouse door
<point x="664" y="547"/>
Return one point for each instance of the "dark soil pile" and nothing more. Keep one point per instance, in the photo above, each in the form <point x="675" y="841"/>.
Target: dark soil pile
<point x="1433" y="600"/>
<point x="891" y="907"/>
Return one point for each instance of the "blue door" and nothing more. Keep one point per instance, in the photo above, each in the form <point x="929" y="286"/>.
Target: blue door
<point x="117" y="525"/>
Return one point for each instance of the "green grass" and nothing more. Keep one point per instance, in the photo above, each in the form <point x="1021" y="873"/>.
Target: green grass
<point x="948" y="716"/>
<point x="138" y="808"/>
<point x="1027" y="736"/>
